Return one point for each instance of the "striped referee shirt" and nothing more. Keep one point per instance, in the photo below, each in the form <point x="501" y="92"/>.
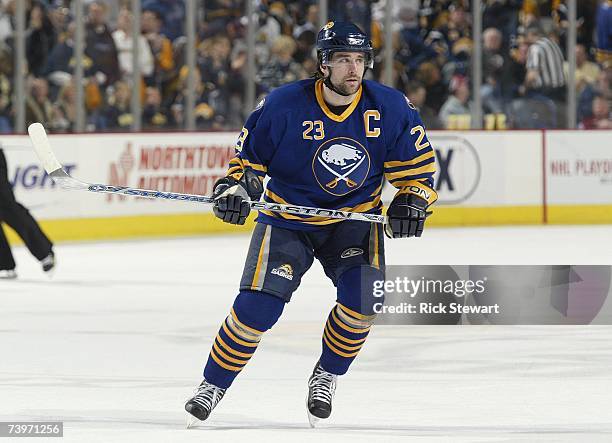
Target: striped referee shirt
<point x="545" y="57"/>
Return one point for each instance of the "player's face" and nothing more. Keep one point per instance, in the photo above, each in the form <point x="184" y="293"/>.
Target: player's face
<point x="347" y="71"/>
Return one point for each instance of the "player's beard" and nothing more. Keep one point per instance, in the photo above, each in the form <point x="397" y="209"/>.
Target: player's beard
<point x="348" y="88"/>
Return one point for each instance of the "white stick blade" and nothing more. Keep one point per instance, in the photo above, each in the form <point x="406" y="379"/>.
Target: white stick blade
<point x="41" y="144"/>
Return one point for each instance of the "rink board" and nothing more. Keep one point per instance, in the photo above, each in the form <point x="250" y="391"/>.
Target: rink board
<point x="483" y="178"/>
<point x="578" y="177"/>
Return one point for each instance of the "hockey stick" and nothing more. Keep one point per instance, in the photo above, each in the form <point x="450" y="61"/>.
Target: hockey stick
<point x="45" y="154"/>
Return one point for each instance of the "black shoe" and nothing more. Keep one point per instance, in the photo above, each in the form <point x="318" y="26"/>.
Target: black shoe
<point x="206" y="396"/>
<point x="321" y="389"/>
<point x="48" y="263"/>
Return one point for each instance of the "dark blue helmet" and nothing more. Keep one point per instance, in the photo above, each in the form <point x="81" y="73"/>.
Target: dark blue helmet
<point x="345" y="37"/>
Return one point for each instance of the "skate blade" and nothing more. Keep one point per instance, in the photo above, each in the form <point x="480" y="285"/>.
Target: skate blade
<point x="312" y="419"/>
<point x="192" y="421"/>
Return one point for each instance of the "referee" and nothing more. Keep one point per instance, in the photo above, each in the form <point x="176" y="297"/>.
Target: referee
<point x="20" y="219"/>
<point x="545" y="75"/>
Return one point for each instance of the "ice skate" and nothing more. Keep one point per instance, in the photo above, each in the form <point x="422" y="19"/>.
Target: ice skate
<point x="321" y="389"/>
<point x="205" y="398"/>
<point x="8" y="274"/>
<point x="48" y="264"/>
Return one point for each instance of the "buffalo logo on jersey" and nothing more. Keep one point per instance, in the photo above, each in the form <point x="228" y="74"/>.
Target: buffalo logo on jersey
<point x="285" y="271"/>
<point x="341" y="165"/>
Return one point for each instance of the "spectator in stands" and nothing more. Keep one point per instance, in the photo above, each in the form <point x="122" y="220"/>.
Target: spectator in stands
<point x="355" y="11"/>
<point x="64" y="109"/>
<point x="305" y="34"/>
<point x="173" y="13"/>
<point x="59" y="69"/>
<point x="236" y="86"/>
<point x="493" y="71"/>
<point x="40" y="39"/>
<point x="455" y="113"/>
<point x="117" y="115"/>
<point x="305" y="43"/>
<point x="161" y="47"/>
<point x="586" y="11"/>
<point x="459" y="60"/>
<point x="59" y="16"/>
<point x="412" y="49"/>
<point x="601" y="117"/>
<point x="417" y="95"/>
<point x="281" y="68"/>
<point x="429" y="74"/>
<point x="434" y="13"/>
<point x="6" y="73"/>
<point x="205" y="113"/>
<point x="435" y="41"/>
<point x="502" y="15"/>
<point x="269" y="30"/>
<point x="124" y="43"/>
<point x="278" y="11"/>
<point x="458" y="26"/>
<point x="587" y="72"/>
<point x="310" y="24"/>
<point x="100" y="46"/>
<point x="38" y="105"/>
<point x="7" y="10"/>
<point x="153" y="115"/>
<point x="601" y="87"/>
<point x="215" y="69"/>
<point x="604" y="33"/>
<point x="218" y="14"/>
<point x="517" y="69"/>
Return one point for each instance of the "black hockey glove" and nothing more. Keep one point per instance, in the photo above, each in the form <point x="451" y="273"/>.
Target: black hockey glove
<point x="406" y="215"/>
<point x="232" y="196"/>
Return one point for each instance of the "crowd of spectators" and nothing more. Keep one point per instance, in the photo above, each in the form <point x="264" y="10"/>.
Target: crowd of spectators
<point x="524" y="60"/>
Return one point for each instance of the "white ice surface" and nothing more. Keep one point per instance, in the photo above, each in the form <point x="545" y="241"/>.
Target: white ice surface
<point x="116" y="342"/>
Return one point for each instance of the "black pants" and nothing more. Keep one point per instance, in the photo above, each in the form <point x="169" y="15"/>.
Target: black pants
<point x="20" y="219"/>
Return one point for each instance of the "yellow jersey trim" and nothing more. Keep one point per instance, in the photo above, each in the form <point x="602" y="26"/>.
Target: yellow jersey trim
<point x="414" y="161"/>
<point x="407" y="173"/>
<point x="321" y="101"/>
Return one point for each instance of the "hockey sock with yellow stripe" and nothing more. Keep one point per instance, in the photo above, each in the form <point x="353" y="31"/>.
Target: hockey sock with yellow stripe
<point x="345" y="333"/>
<point x="252" y="314"/>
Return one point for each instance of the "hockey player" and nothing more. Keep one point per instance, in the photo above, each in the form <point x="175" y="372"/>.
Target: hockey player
<point x="325" y="142"/>
<point x="20" y="219"/>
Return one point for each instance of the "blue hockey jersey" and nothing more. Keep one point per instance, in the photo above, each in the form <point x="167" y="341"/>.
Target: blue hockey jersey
<point x="319" y="159"/>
